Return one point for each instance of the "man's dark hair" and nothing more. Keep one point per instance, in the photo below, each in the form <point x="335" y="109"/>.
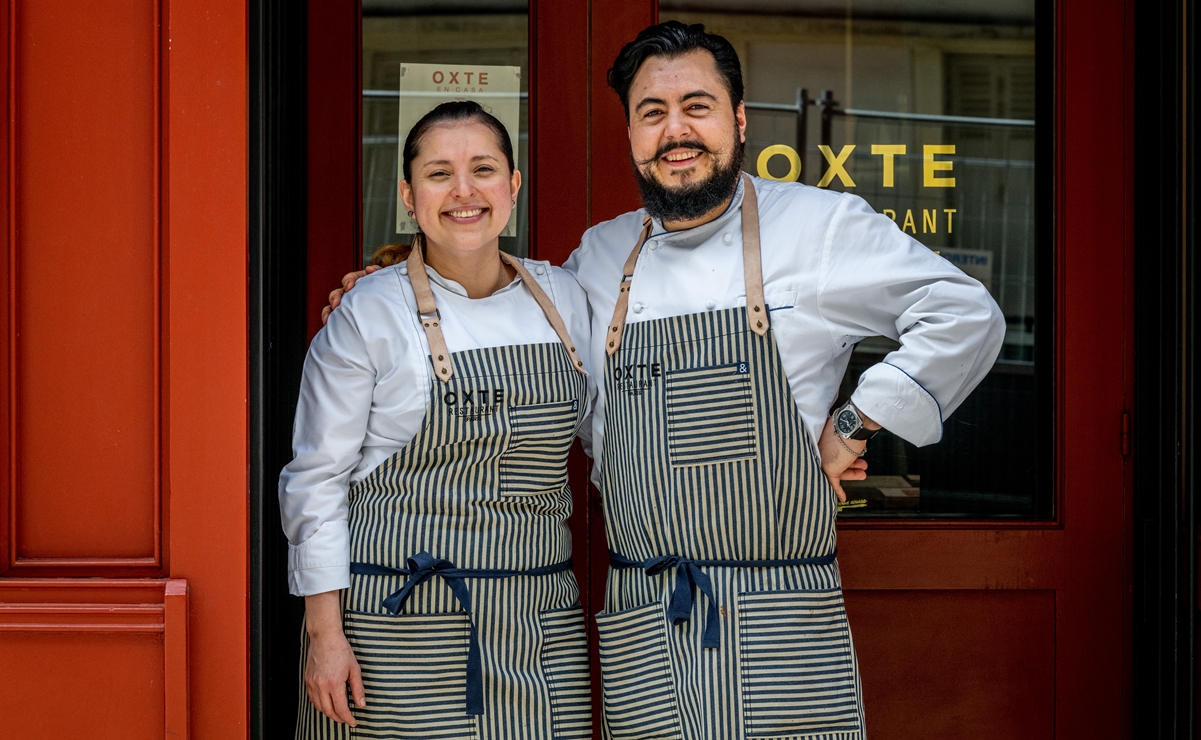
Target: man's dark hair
<point x="453" y="112"/>
<point x="673" y="39"/>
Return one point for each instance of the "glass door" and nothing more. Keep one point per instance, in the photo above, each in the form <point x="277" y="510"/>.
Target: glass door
<point x="409" y="33"/>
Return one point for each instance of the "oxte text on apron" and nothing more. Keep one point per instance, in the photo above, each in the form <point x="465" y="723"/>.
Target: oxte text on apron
<point x="723" y="615"/>
<point x="462" y="611"/>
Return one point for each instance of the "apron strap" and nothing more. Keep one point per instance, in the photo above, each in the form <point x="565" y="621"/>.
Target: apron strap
<point x="617" y="328"/>
<point x="752" y="263"/>
<point x="427" y="312"/>
<point x="548" y="308"/>
<point x="752" y="270"/>
<point x="431" y="320"/>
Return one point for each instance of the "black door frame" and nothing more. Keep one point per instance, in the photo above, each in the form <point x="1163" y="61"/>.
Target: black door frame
<point x="1163" y="438"/>
<point x="278" y="342"/>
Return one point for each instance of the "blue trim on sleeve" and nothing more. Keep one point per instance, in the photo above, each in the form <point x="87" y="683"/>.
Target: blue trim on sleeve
<point x="937" y="405"/>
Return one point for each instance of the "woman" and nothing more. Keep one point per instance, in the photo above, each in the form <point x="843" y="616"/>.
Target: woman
<point x="426" y="505"/>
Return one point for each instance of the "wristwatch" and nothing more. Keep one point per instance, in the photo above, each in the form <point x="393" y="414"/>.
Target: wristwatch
<point x="849" y="424"/>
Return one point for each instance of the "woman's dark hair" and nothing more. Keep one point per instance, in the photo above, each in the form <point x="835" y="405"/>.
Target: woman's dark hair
<point x="454" y="112"/>
<point x="673" y="39"/>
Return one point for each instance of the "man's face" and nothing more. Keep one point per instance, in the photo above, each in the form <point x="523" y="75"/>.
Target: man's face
<point x="683" y="128"/>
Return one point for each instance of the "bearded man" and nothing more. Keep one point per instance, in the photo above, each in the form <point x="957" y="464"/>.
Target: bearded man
<point x="724" y="314"/>
<point x="724" y="335"/>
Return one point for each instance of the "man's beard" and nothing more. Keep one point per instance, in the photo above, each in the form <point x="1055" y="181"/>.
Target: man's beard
<point x="689" y="202"/>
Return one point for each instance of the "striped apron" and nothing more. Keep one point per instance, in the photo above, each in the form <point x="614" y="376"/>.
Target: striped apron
<point x="723" y="613"/>
<point x="462" y="609"/>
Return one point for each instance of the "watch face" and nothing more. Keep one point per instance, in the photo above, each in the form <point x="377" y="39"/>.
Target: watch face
<point x="847" y="422"/>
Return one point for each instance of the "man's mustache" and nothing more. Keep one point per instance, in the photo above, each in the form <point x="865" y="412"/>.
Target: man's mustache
<point x="672" y="146"/>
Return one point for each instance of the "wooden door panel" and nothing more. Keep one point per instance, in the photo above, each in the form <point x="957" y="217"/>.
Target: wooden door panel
<point x="98" y="658"/>
<point x="104" y="683"/>
<point x="956" y="664"/>
<point x="84" y="229"/>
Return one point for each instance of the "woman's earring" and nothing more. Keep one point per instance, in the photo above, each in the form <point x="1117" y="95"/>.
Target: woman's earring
<point x="410" y="214"/>
<point x="514" y="202"/>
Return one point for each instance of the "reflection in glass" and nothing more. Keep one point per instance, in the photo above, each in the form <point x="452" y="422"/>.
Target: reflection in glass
<point x="420" y="31"/>
<point x="927" y="109"/>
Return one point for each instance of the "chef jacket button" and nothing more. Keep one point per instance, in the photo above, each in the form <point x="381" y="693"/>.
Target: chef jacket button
<point x="540" y="270"/>
<point x="654" y="246"/>
<point x="727" y="237"/>
<point x="638" y="307"/>
<point x="710" y="305"/>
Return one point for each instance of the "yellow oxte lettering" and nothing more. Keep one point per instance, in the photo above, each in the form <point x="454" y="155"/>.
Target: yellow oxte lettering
<point x="837" y="165"/>
<point x="888" y="151"/>
<point x="932" y="165"/>
<point x="794" y="162"/>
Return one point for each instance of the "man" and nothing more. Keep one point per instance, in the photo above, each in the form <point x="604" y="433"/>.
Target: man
<point x="724" y="314"/>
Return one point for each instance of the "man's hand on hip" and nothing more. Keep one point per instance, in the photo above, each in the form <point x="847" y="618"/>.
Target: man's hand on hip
<point x="840" y="460"/>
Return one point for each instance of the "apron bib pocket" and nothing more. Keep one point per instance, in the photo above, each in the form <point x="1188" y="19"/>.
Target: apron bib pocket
<point x="710" y="415"/>
<point x="639" y="693"/>
<point x="565" y="665"/>
<point x="541" y="438"/>
<point x="798" y="674"/>
<point x="415" y="675"/>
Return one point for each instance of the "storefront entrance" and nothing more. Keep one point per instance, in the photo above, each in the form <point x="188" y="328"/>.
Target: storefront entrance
<point x="987" y="575"/>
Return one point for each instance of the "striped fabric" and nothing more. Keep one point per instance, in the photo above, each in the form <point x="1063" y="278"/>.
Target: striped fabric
<point x="482" y="485"/>
<point x="710" y="415"/>
<point x="638" y="678"/>
<point x="797" y="672"/>
<point x="749" y="489"/>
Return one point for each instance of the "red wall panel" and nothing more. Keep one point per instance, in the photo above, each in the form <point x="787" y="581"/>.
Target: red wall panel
<point x="93" y="658"/>
<point x="125" y="361"/>
<point x="83" y="285"/>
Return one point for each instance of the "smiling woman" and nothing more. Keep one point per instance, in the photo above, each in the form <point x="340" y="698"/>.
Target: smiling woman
<point x="459" y="160"/>
<point x="436" y="413"/>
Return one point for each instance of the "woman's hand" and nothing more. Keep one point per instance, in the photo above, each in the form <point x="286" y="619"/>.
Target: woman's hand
<point x="331" y="662"/>
<point x="839" y="463"/>
<point x="348" y="281"/>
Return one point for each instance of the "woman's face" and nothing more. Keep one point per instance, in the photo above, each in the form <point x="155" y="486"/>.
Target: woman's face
<point x="461" y="190"/>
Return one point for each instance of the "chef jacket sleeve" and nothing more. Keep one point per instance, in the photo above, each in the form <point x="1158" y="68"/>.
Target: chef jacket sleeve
<point x="877" y="280"/>
<point x="327" y="439"/>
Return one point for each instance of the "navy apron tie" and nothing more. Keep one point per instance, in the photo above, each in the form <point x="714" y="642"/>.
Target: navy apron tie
<point x="689" y="576"/>
<point x="420" y="568"/>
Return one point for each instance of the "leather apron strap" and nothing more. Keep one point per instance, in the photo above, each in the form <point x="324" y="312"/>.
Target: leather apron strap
<point x="752" y="270"/>
<point x="618" y="325"/>
<point x="548" y="308"/>
<point x="427" y="311"/>
<point x="431" y="320"/>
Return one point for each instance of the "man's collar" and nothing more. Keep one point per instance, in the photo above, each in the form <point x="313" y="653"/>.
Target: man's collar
<point x="697" y="235"/>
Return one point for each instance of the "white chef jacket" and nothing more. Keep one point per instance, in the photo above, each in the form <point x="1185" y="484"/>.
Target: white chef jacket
<point x="366" y="389"/>
<point x="834" y="272"/>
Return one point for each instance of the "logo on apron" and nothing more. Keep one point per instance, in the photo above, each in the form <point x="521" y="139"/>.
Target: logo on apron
<point x="634" y="379"/>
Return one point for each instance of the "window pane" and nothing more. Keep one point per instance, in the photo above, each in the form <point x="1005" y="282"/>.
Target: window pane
<point x="936" y="114"/>
<point x="413" y="32"/>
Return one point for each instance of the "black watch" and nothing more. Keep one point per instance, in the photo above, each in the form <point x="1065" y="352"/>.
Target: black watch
<point x="849" y="424"/>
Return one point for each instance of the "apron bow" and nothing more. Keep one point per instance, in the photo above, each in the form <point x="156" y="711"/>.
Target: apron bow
<point x="688" y="576"/>
<point x="421" y="567"/>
